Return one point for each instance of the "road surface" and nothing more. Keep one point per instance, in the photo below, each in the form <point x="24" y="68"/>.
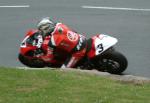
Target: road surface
<point x="131" y="25"/>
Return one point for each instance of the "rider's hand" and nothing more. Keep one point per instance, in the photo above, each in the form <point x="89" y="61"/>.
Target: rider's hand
<point x="40" y="41"/>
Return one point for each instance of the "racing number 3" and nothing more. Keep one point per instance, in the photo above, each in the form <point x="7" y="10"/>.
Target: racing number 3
<point x="99" y="48"/>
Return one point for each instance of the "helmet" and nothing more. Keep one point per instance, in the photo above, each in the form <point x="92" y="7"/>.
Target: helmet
<point x="46" y="26"/>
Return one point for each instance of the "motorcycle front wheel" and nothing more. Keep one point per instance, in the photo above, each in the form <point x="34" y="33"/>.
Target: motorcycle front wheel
<point x="33" y="63"/>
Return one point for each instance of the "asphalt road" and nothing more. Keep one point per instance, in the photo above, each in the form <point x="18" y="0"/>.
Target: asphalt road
<point x="132" y="28"/>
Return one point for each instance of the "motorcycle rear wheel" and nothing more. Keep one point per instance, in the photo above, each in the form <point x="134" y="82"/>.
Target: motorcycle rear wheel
<point x="113" y="62"/>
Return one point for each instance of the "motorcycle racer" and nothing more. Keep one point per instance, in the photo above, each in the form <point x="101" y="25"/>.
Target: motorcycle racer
<point x="64" y="39"/>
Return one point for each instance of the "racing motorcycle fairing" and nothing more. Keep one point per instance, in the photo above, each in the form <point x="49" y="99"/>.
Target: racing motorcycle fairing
<point x="101" y="43"/>
<point x="29" y="43"/>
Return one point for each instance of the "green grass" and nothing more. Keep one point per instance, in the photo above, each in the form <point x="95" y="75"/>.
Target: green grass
<point x="55" y="86"/>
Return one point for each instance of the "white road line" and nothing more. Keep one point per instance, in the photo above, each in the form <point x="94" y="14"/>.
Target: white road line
<point x="15" y="6"/>
<point x="115" y="8"/>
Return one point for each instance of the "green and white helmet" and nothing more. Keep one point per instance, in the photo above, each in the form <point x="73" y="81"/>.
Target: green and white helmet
<point x="46" y="26"/>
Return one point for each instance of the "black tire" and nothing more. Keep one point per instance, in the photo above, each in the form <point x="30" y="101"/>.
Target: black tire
<point x="113" y="62"/>
<point x="33" y="63"/>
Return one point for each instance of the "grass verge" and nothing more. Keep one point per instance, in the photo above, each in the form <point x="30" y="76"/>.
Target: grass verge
<point x="55" y="86"/>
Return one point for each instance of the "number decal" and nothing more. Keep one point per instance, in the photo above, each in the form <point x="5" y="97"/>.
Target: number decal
<point x="99" y="48"/>
<point x="23" y="43"/>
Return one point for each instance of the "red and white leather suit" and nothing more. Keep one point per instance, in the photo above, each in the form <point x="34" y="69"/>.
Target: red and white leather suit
<point x="64" y="39"/>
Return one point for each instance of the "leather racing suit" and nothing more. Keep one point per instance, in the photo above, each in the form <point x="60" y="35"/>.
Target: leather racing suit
<point x="64" y="39"/>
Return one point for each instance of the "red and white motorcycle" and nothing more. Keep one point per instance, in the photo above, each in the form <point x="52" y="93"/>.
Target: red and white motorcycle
<point x="100" y="55"/>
